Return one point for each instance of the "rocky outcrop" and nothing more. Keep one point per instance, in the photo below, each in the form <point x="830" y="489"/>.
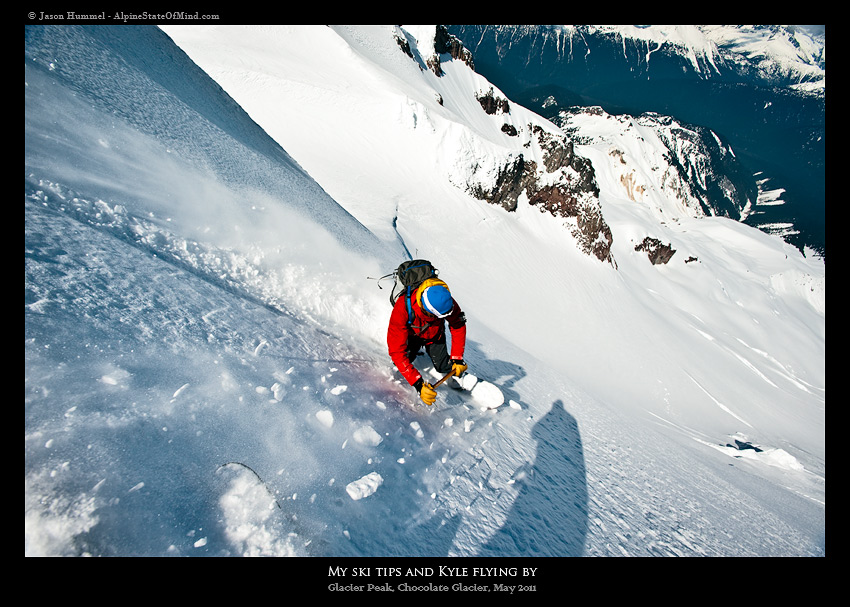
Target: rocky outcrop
<point x="564" y="187"/>
<point x="511" y="180"/>
<point x="404" y="45"/>
<point x="657" y="252"/>
<point x="492" y="103"/>
<point x="550" y="175"/>
<point x="590" y="230"/>
<point x="445" y="43"/>
<point x="558" y="151"/>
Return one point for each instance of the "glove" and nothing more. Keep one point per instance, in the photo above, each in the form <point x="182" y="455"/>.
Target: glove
<point x="426" y="391"/>
<point x="458" y="367"/>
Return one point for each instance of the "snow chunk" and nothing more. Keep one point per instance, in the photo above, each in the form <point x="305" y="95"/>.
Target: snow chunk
<point x="488" y="395"/>
<point x="367" y="436"/>
<point x="116" y="377"/>
<point x="782" y="459"/>
<point x="180" y="390"/>
<point x="417" y="429"/>
<point x="326" y="417"/>
<point x="365" y="486"/>
<point x="467" y="382"/>
<point x="249" y="516"/>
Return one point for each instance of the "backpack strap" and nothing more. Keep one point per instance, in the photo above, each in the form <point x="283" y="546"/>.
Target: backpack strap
<point x="409" y="307"/>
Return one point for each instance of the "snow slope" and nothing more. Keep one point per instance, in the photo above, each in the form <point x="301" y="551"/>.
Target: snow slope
<point x="205" y="371"/>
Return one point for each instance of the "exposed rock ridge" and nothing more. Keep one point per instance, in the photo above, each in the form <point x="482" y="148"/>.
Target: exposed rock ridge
<point x="658" y="252"/>
<point x="444" y="42"/>
<point x="492" y="104"/>
<point x="550" y="176"/>
<point x="564" y="187"/>
<point x="447" y="44"/>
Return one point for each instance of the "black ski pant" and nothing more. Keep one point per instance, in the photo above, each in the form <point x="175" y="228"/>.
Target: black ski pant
<point x="437" y="350"/>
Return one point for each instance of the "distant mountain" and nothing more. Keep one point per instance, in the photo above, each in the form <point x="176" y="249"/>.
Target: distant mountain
<point x="776" y="55"/>
<point x="759" y="88"/>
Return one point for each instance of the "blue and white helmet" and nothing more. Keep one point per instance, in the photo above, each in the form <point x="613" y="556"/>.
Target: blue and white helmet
<point x="438" y="301"/>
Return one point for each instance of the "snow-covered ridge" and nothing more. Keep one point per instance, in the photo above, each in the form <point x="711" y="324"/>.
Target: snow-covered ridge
<point x="790" y="52"/>
<point x="452" y="119"/>
<point x="671" y="168"/>
<point x="793" y="52"/>
<point x="789" y="55"/>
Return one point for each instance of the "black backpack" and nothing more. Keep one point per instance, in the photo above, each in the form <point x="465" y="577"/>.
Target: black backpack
<point x="410" y="275"/>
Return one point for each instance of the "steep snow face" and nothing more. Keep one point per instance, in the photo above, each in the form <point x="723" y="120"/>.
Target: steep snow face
<point x="166" y="238"/>
<point x="689" y="40"/>
<point x="205" y="366"/>
<point x="418" y="127"/>
<point x="192" y="164"/>
<point x="355" y="89"/>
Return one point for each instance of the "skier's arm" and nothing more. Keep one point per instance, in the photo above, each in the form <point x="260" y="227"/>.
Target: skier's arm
<point x="457" y="326"/>
<point x="397" y="343"/>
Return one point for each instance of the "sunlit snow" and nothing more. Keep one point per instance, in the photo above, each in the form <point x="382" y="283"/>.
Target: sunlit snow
<point x="205" y="361"/>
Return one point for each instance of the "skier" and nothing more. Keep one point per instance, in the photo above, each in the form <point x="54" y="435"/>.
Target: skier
<point x="419" y="319"/>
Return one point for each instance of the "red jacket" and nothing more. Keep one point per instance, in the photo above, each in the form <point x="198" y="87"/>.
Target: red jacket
<point x="426" y="327"/>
